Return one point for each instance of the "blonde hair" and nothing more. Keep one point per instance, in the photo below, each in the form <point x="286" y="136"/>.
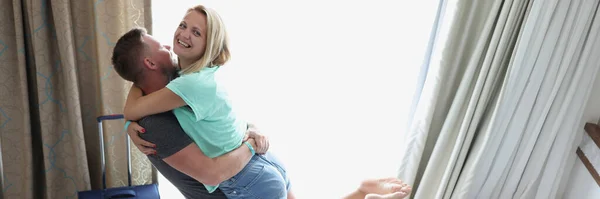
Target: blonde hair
<point x="216" y="52"/>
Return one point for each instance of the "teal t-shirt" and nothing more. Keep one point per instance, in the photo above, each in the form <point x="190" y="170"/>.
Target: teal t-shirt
<point x="209" y="118"/>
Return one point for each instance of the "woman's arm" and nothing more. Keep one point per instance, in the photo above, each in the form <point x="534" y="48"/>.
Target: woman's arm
<point x="138" y="106"/>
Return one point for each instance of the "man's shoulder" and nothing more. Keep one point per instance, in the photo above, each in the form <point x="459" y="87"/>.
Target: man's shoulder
<point x="157" y="119"/>
<point x="164" y="131"/>
<point x="165" y="122"/>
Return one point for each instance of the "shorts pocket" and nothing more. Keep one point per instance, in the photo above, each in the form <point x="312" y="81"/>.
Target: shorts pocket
<point x="247" y="177"/>
<point x="259" y="179"/>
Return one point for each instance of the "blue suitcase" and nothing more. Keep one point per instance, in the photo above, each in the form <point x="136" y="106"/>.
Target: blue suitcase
<point x="143" y="191"/>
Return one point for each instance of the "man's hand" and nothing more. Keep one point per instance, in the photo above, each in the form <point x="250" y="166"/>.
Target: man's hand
<point x="262" y="142"/>
<point x="144" y="146"/>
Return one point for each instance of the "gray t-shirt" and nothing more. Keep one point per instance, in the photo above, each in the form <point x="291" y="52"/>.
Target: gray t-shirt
<point x="164" y="130"/>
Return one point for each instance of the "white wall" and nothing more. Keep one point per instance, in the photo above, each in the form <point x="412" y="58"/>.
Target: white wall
<point x="581" y="185"/>
<point x="330" y="82"/>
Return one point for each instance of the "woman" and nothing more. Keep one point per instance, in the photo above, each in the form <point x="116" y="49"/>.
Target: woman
<point x="203" y="108"/>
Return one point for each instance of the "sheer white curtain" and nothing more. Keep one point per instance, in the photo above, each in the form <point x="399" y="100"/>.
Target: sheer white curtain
<point x="329" y="81"/>
<point x="504" y="99"/>
<point x="552" y="73"/>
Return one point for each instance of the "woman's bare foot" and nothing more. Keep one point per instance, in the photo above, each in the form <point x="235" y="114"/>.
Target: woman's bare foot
<point x="382" y="186"/>
<point x="385" y="188"/>
<point x="396" y="195"/>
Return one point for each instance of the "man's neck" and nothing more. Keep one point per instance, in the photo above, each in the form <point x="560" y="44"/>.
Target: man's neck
<point x="150" y="88"/>
<point x="153" y="83"/>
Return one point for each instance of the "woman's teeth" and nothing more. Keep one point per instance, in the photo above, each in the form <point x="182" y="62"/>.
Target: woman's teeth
<point x="183" y="44"/>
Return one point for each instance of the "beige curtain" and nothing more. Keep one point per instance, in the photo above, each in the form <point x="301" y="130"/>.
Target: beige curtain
<point x="56" y="77"/>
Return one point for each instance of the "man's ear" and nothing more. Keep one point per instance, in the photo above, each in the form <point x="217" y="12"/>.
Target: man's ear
<point x="149" y="64"/>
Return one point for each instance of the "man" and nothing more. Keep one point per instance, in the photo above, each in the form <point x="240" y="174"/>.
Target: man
<point x="174" y="155"/>
<point x="139" y="58"/>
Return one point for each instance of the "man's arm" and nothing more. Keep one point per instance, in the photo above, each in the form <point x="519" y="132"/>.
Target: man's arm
<point x="178" y="150"/>
<point x="192" y="161"/>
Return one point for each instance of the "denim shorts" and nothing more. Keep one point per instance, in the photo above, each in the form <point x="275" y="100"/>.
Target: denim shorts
<point x="263" y="177"/>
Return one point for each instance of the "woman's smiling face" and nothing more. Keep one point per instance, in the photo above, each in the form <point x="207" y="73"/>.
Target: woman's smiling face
<point x="189" y="42"/>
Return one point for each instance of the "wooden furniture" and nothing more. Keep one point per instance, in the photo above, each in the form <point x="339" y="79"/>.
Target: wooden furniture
<point x="594" y="131"/>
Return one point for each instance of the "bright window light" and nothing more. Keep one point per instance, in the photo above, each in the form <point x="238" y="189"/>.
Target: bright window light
<point x="330" y="81"/>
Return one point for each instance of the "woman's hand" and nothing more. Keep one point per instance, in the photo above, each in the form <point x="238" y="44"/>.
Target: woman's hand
<point x="144" y="146"/>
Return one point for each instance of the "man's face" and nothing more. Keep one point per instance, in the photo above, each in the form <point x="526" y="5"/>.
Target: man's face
<point x="161" y="56"/>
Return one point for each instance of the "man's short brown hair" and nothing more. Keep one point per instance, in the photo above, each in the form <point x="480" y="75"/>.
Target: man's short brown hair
<point x="127" y="54"/>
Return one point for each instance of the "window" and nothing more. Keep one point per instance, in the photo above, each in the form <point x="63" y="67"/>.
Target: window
<point x="331" y="82"/>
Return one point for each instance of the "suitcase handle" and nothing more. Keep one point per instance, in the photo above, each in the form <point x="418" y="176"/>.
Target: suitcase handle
<point x="100" y="119"/>
<point x="110" y="117"/>
<point x="121" y="194"/>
